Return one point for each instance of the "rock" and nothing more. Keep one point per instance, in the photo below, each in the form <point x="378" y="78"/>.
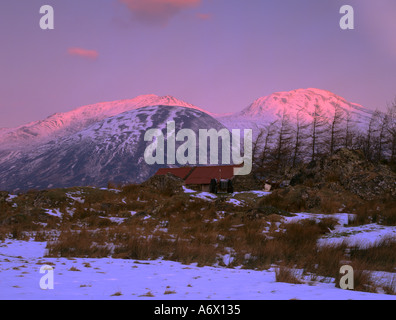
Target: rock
<point x="351" y="171"/>
<point x="166" y="184"/>
<point x="246" y="183"/>
<point x="3" y="196"/>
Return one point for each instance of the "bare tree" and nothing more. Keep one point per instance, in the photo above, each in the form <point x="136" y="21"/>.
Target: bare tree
<point x="300" y="136"/>
<point x="282" y="147"/>
<point x="319" y="122"/>
<point x="270" y="131"/>
<point x="391" y="129"/>
<point x="370" y="137"/>
<point x="257" y="143"/>
<point x="349" y="131"/>
<point x="335" y="128"/>
<point x="382" y="138"/>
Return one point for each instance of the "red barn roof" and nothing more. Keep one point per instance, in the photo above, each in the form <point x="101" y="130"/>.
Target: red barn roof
<point x="203" y="175"/>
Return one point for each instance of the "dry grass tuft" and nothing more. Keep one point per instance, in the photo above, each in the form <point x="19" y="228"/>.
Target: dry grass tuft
<point x="379" y="256"/>
<point x="148" y="294"/>
<point x="74" y="269"/>
<point x="169" y="292"/>
<point x="76" y="244"/>
<point x="287" y="275"/>
<point x="390" y="288"/>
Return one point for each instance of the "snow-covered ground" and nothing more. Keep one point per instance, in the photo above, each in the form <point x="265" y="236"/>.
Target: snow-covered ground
<point x="20" y="263"/>
<point x="107" y="278"/>
<point x="205" y="196"/>
<point x="210" y="196"/>
<point x="362" y="236"/>
<point x="258" y="193"/>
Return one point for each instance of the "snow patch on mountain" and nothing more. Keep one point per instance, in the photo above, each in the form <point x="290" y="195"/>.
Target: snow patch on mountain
<point x="64" y="124"/>
<point x="297" y="103"/>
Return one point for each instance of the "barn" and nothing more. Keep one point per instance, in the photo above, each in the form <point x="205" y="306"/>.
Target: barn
<point x="206" y="178"/>
<point x="181" y="173"/>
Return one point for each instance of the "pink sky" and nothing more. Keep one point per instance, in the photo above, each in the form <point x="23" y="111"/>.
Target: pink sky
<point x="84" y="53"/>
<point x="220" y="55"/>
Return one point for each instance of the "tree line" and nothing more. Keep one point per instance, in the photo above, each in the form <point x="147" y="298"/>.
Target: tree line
<point x="286" y="142"/>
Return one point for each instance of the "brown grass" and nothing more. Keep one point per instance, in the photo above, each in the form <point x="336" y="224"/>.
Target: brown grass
<point x="380" y="256"/>
<point x="284" y="200"/>
<point x="390" y="288"/>
<point x="326" y="260"/>
<point x="287" y="275"/>
<point x="169" y="292"/>
<point x="74" y="269"/>
<point x="76" y="244"/>
<point x="363" y="281"/>
<point x="40" y="236"/>
<point x="388" y="213"/>
<point x="329" y="205"/>
<point x="381" y="211"/>
<point x="332" y="177"/>
<point x="178" y="228"/>
<point x="148" y="294"/>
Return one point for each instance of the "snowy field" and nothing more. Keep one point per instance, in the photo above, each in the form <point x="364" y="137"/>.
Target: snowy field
<point x="115" y="279"/>
<point x="107" y="279"/>
<point x="361" y="236"/>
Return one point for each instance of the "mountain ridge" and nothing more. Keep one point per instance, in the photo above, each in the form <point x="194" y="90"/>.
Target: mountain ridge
<point x="103" y="142"/>
<point x="61" y="124"/>
<point x="109" y="150"/>
<point x="261" y="112"/>
<point x="299" y="102"/>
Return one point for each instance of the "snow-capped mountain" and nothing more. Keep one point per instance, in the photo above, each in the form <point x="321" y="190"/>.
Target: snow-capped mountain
<point x="297" y="103"/>
<point x="104" y="142"/>
<point x="63" y="124"/>
<point x="261" y="112"/>
<point x="109" y="150"/>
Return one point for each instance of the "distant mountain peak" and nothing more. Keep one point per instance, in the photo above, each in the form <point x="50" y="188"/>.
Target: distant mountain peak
<point x="299" y="103"/>
<point x="61" y="124"/>
<point x="300" y="100"/>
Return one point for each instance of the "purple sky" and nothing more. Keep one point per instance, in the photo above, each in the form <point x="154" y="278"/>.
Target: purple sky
<point x="220" y="55"/>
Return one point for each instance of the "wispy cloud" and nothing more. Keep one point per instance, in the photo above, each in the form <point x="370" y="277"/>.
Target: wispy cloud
<point x="204" y="16"/>
<point x="84" y="53"/>
<point x="158" y="12"/>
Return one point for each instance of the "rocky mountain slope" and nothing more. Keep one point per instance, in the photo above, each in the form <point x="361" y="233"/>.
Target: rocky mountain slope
<point x="109" y="150"/>
<point x="352" y="172"/>
<point x="342" y="182"/>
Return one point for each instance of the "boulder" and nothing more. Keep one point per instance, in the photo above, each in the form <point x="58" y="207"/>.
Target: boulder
<point x="246" y="183"/>
<point x="351" y="171"/>
<point x="165" y="184"/>
<point x="3" y="196"/>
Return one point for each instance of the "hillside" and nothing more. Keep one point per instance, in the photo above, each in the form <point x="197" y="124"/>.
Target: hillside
<point x="90" y="235"/>
<point x="111" y="150"/>
<point x="64" y="124"/>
